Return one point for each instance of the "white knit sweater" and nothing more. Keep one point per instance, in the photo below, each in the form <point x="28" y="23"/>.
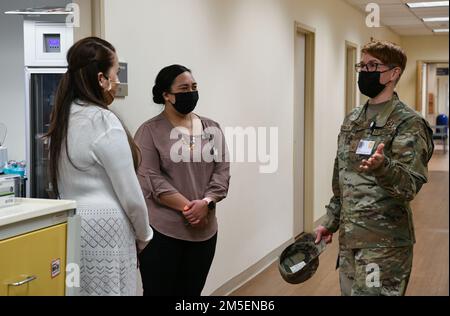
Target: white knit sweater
<point x="106" y="178"/>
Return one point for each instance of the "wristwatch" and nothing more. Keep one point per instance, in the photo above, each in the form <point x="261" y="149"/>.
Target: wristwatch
<point x="211" y="204"/>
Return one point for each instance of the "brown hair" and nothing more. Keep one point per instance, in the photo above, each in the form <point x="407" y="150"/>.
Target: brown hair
<point x="389" y="53"/>
<point x="86" y="59"/>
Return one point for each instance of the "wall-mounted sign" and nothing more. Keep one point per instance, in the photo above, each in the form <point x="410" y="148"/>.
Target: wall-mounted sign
<point x="442" y="72"/>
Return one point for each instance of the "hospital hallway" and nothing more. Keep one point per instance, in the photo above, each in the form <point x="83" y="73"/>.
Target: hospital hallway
<point x="188" y="148"/>
<point x="430" y="274"/>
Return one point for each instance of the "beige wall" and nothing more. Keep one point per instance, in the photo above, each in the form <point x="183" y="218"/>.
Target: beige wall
<point x="427" y="48"/>
<point x="85" y="28"/>
<point x="242" y="55"/>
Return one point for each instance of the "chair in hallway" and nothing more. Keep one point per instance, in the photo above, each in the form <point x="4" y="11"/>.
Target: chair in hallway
<point x="441" y="130"/>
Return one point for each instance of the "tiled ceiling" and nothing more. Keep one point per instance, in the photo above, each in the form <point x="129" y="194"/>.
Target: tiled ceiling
<point x="403" y="20"/>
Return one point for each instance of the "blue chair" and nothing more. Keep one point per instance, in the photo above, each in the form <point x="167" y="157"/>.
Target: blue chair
<point x="442" y="130"/>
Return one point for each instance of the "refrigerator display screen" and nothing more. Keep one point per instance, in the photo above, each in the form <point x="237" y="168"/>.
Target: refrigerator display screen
<point x="52" y="43"/>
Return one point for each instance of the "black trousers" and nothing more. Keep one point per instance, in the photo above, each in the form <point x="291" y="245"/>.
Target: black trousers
<point x="172" y="267"/>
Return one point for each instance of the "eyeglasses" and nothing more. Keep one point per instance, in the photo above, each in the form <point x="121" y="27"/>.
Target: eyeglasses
<point x="371" y="67"/>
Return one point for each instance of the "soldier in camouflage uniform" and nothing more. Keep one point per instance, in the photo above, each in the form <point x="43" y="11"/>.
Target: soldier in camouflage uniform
<point x="383" y="151"/>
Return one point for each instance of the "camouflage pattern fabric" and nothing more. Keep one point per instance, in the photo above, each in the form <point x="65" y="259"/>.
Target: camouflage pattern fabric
<point x="372" y="209"/>
<point x="375" y="271"/>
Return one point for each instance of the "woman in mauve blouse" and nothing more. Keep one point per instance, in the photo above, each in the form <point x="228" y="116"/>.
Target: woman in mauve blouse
<point x="184" y="172"/>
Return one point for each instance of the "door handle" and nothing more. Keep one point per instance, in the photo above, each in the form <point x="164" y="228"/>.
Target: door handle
<point x="25" y="281"/>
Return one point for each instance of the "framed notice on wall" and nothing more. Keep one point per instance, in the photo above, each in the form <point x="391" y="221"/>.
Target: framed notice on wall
<point x="442" y="72"/>
<point x="431" y="105"/>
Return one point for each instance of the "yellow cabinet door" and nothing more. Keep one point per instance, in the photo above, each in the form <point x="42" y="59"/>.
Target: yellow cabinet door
<point x="34" y="264"/>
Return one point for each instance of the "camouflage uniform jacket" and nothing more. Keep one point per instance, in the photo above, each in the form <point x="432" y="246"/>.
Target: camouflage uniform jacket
<point x="372" y="209"/>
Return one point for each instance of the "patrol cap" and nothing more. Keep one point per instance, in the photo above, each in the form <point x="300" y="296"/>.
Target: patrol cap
<point x="299" y="261"/>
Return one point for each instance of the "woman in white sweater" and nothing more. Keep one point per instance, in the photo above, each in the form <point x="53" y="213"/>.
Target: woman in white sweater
<point x="93" y="161"/>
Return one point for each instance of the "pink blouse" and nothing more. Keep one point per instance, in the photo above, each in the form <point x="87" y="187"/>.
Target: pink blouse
<point x="169" y="165"/>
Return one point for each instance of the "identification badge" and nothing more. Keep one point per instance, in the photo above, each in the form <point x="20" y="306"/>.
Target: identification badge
<point x="365" y="147"/>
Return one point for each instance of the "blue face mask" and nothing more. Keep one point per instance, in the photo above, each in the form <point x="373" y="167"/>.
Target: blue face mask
<point x="185" y="102"/>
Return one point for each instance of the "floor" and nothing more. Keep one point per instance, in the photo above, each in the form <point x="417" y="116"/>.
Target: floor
<point x="430" y="275"/>
<point x="440" y="161"/>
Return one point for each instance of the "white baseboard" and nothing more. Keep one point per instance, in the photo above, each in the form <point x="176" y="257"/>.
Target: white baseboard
<point x="244" y="277"/>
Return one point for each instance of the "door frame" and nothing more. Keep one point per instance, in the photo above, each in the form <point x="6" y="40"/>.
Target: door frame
<point x="308" y="160"/>
<point x="350" y="98"/>
<point x="98" y="18"/>
<point x="92" y="19"/>
<point x="419" y="82"/>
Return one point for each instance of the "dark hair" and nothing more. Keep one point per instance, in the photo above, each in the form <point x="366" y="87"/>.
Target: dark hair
<point x="164" y="81"/>
<point x="86" y="58"/>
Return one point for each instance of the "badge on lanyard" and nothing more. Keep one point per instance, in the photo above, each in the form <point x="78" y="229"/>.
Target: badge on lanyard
<point x="365" y="147"/>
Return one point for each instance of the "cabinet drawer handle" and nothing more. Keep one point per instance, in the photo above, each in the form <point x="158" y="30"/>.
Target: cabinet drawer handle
<point x="27" y="280"/>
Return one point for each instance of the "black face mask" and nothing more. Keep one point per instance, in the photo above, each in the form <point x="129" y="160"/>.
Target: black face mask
<point x="369" y="83"/>
<point x="185" y="102"/>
